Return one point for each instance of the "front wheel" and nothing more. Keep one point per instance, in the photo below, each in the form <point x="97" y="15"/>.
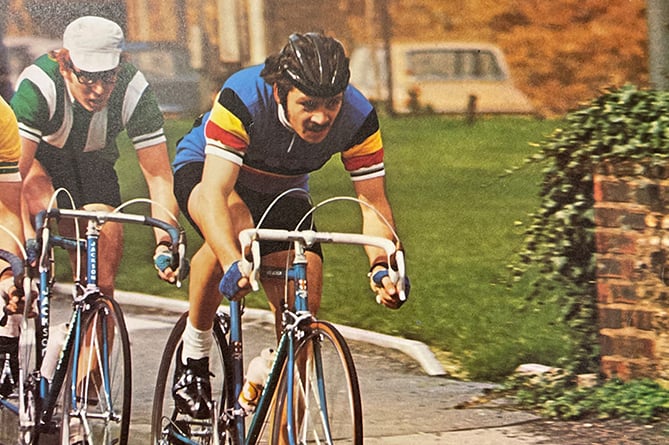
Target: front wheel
<point x="27" y="386"/>
<point x="97" y="391"/>
<point x="326" y="406"/>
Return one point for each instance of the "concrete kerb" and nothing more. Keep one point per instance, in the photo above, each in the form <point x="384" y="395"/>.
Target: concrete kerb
<point x="418" y="351"/>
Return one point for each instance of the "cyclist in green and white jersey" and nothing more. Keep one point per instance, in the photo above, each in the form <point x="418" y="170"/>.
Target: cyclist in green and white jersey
<point x="71" y="104"/>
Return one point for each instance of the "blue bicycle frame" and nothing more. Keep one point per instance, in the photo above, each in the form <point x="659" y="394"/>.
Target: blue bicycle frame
<point x="297" y="273"/>
<point x="49" y="392"/>
<point x="31" y="380"/>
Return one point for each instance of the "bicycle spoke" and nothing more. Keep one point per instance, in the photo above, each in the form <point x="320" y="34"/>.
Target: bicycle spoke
<point x="27" y="387"/>
<point x="97" y="404"/>
<point x="327" y="400"/>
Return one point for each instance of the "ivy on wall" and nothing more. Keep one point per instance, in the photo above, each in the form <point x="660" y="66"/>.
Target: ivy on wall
<point x="623" y="124"/>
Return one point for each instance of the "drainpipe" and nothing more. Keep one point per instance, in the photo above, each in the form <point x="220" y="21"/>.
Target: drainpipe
<point x="228" y="31"/>
<point x="658" y="43"/>
<point x="257" y="45"/>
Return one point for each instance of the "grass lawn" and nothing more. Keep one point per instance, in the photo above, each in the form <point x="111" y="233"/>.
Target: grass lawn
<point x="461" y="220"/>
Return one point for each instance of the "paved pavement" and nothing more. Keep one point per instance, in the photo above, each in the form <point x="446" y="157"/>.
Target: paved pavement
<point x="407" y="398"/>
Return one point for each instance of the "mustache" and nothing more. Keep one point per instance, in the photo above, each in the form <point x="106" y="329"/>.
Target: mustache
<point x="310" y="126"/>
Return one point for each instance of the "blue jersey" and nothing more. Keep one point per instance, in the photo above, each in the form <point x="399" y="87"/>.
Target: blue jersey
<point x="246" y="126"/>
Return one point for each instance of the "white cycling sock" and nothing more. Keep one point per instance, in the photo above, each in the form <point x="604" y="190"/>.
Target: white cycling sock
<point x="196" y="342"/>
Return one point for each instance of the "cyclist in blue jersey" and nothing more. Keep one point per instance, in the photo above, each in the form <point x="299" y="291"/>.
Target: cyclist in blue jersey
<point x="71" y="104"/>
<point x="270" y="126"/>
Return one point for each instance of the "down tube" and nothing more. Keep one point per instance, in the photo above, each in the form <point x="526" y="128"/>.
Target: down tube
<point x="42" y="331"/>
<point x="268" y="392"/>
<point x="237" y="363"/>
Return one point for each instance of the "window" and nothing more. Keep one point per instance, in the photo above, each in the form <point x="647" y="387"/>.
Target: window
<point x="454" y="64"/>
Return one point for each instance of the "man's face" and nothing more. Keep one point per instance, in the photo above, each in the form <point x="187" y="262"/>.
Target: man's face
<point x="91" y="90"/>
<point x="312" y="117"/>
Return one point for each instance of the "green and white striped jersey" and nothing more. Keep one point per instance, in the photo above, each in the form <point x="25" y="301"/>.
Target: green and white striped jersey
<point x="47" y="113"/>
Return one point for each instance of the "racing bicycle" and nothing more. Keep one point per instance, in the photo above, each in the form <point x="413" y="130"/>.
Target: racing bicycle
<point x="312" y="394"/>
<point x="87" y="397"/>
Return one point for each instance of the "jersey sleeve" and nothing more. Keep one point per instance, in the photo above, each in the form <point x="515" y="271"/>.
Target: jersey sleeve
<point x="30" y="105"/>
<point x="10" y="145"/>
<point x="144" y="120"/>
<point x="224" y="131"/>
<point x="364" y="160"/>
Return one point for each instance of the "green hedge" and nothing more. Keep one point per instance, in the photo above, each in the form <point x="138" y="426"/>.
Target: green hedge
<point x="621" y="125"/>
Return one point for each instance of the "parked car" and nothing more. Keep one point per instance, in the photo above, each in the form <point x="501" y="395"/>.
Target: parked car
<point x="168" y="70"/>
<point x="443" y="77"/>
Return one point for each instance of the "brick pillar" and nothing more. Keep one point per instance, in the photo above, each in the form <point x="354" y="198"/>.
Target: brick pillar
<point x="632" y="243"/>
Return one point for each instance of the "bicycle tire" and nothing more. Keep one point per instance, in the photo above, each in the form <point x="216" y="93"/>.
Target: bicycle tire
<point x="166" y="422"/>
<point x="27" y="397"/>
<point x="97" y="407"/>
<point x="22" y="426"/>
<point x="329" y="412"/>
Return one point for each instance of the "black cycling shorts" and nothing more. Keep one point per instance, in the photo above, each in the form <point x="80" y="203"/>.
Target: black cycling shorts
<point x="89" y="177"/>
<point x="285" y="214"/>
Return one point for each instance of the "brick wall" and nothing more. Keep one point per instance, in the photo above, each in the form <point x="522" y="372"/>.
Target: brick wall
<point x="632" y="243"/>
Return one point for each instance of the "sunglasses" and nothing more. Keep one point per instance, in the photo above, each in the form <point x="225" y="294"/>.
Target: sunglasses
<point x="88" y="79"/>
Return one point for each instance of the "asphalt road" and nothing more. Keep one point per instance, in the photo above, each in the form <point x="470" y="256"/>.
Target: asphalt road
<point x="401" y="403"/>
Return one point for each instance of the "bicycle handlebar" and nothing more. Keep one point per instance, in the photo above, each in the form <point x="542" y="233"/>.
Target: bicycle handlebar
<point x="177" y="234"/>
<point x="251" y="237"/>
<point x="17" y="265"/>
<point x="103" y="217"/>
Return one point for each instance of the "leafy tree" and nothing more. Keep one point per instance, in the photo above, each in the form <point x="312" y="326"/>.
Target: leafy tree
<point x="564" y="52"/>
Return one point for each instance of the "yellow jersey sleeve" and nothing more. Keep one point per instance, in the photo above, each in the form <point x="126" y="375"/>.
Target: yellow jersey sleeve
<point x="10" y="144"/>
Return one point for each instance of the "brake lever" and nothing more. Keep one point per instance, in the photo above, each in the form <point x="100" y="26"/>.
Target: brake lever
<point x="253" y="269"/>
<point x="400" y="274"/>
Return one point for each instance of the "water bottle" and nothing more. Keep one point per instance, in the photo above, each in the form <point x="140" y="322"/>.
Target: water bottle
<point x="54" y="346"/>
<point x="256" y="376"/>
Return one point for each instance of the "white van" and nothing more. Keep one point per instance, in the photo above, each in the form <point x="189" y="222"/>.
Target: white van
<point x="442" y="77"/>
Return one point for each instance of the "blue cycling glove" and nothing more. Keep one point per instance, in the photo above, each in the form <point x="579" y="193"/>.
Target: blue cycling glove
<point x="32" y="252"/>
<point x="378" y="277"/>
<point x="229" y="285"/>
<point x="164" y="259"/>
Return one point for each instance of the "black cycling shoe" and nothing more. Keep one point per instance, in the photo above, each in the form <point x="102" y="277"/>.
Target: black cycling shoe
<point x="191" y="388"/>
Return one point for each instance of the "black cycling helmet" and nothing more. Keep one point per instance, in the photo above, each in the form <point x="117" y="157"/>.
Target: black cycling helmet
<point x="316" y="64"/>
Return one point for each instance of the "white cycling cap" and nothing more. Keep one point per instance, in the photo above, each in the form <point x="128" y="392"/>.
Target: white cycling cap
<point x="94" y="43"/>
